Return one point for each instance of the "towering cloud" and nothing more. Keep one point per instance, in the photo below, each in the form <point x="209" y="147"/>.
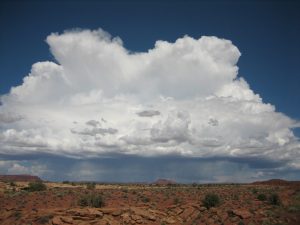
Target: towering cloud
<point x="181" y="98"/>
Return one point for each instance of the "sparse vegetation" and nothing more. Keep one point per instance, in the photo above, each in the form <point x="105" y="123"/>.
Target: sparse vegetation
<point x="91" y="200"/>
<point x="179" y="201"/>
<point x="294" y="208"/>
<point x="211" y="200"/>
<point x="274" y="199"/>
<point x="35" y="186"/>
<point x="176" y="201"/>
<point x="236" y="197"/>
<point x="12" y="184"/>
<point x="145" y="199"/>
<point x="17" y="215"/>
<point x="241" y="223"/>
<point x="254" y="191"/>
<point x="262" y="197"/>
<point x="91" y="186"/>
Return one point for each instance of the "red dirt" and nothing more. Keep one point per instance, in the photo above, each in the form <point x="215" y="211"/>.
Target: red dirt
<point x="148" y="204"/>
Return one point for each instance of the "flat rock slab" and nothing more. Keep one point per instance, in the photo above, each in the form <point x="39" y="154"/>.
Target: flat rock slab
<point x="242" y="213"/>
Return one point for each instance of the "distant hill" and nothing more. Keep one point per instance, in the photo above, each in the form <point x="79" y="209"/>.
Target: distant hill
<point x="21" y="177"/>
<point x="164" y="182"/>
<point x="279" y="182"/>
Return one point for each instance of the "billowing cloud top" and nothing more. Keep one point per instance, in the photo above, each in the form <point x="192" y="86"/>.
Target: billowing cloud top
<point x="181" y="98"/>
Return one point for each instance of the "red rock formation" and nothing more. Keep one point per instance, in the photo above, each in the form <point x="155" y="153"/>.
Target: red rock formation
<point x="164" y="182"/>
<point x="21" y="177"/>
<point x="276" y="182"/>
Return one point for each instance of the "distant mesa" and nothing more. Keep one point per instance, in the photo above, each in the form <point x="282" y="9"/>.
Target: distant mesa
<point x="278" y="182"/>
<point x="164" y="182"/>
<point x="21" y="177"/>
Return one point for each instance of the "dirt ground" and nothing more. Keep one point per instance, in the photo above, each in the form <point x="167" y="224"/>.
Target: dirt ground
<point x="150" y="204"/>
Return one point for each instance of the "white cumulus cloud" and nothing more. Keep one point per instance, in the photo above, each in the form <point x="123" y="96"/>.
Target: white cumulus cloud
<point x="179" y="98"/>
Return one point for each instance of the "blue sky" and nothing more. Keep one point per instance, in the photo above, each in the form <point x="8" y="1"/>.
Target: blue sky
<point x="266" y="34"/>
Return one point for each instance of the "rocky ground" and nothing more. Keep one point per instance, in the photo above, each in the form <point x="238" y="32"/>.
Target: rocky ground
<point x="149" y="204"/>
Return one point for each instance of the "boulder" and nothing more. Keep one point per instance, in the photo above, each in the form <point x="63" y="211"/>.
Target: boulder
<point x="169" y="220"/>
<point x="143" y="213"/>
<point x="108" y="210"/>
<point x="242" y="213"/>
<point x="177" y="211"/>
<point x="187" y="212"/>
<point x="95" y="212"/>
<point x="202" y="209"/>
<point x="66" y="219"/>
<point x="117" y="212"/>
<point x="56" y="221"/>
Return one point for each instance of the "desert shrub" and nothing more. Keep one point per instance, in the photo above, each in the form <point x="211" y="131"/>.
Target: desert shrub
<point x="211" y="200"/>
<point x="254" y="191"/>
<point x="91" y="186"/>
<point x="91" y="200"/>
<point x="176" y="201"/>
<point x="12" y="184"/>
<point x="236" y="197"/>
<point x="145" y="199"/>
<point x="274" y="199"/>
<point x="294" y="208"/>
<point x="36" y="186"/>
<point x="262" y="197"/>
<point x="66" y="182"/>
<point x="297" y="195"/>
<point x="17" y="215"/>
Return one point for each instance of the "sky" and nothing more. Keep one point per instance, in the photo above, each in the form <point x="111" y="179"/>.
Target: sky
<point x="133" y="91"/>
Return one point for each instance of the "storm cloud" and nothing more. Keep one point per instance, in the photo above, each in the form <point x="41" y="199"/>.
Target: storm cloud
<point x="183" y="98"/>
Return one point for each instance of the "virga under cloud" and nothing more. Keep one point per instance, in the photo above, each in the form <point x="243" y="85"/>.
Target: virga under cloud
<point x="181" y="98"/>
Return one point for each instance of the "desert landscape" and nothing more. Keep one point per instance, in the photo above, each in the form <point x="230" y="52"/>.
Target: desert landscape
<point x="149" y="112"/>
<point x="159" y="203"/>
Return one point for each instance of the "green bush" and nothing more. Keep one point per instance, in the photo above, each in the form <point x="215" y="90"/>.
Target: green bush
<point x="274" y="199"/>
<point x="211" y="200"/>
<point x="91" y="200"/>
<point x="12" y="184"/>
<point x="145" y="199"/>
<point x="262" y="197"/>
<point x="36" y="186"/>
<point x="254" y="191"/>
